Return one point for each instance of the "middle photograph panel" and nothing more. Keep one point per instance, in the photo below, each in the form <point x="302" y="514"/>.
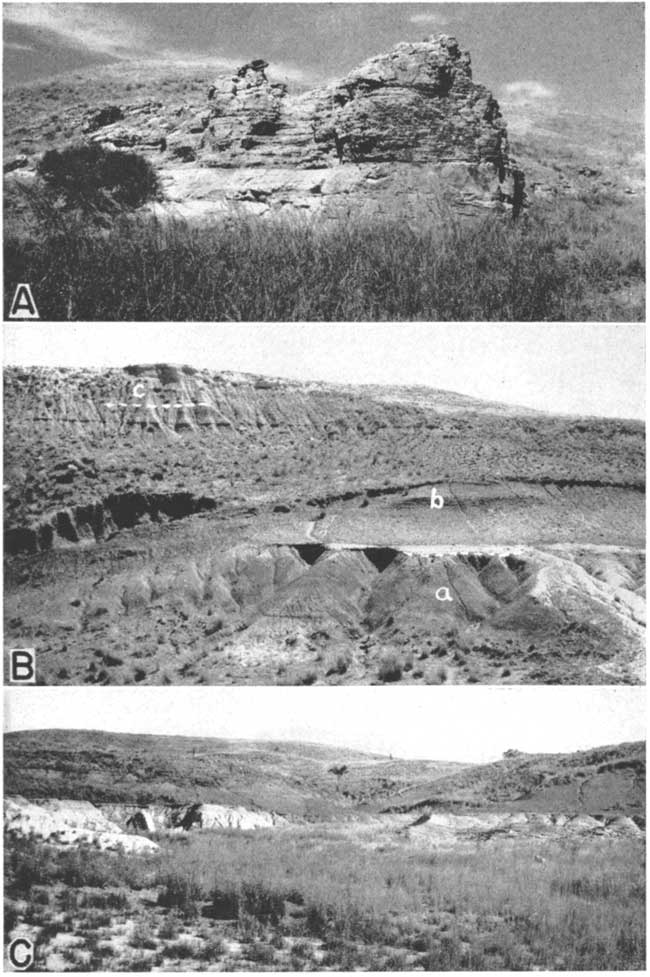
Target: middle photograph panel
<point x="301" y="505"/>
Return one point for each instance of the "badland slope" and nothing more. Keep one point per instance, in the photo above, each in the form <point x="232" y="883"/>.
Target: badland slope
<point x="168" y="524"/>
<point x="78" y="437"/>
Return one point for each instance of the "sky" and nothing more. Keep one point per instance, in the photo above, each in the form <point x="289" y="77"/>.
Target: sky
<point x="471" y="723"/>
<point x="586" y="57"/>
<point x="589" y="369"/>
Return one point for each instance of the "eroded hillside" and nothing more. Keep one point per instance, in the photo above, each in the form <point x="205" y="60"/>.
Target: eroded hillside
<point x="168" y="524"/>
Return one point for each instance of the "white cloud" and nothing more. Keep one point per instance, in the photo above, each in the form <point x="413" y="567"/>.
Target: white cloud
<point x="14" y="46"/>
<point x="104" y="33"/>
<point x="80" y="23"/>
<point x="435" y="19"/>
<point x="520" y="92"/>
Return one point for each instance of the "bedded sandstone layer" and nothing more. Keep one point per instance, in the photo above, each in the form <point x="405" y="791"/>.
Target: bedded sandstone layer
<point x="408" y="134"/>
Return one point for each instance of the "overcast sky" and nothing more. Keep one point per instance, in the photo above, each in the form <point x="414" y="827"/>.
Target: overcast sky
<point x="587" y="56"/>
<point x="471" y="723"/>
<point x="573" y="369"/>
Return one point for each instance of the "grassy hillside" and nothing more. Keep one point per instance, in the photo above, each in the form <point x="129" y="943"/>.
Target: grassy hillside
<point x="606" y="780"/>
<point x="289" y="778"/>
<point x="295" y="778"/>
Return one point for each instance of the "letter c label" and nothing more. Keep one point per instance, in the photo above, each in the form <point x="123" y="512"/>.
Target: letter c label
<point x="21" y="953"/>
<point x="139" y="390"/>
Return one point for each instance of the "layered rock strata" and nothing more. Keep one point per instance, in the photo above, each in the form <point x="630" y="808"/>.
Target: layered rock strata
<point x="407" y="133"/>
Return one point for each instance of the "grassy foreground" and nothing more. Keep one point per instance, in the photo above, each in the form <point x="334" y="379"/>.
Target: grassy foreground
<point x="575" y="260"/>
<point x="322" y="898"/>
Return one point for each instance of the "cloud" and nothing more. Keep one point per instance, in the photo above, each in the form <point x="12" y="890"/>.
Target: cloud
<point x="103" y="32"/>
<point x="526" y="92"/>
<point x="81" y="24"/>
<point x="435" y="19"/>
<point x="15" y="46"/>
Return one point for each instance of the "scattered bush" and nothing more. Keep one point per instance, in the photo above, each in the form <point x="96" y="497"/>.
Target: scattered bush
<point x="96" y="179"/>
<point x="337" y="662"/>
<point x="390" y="668"/>
<point x="182" y="893"/>
<point x="253" y="899"/>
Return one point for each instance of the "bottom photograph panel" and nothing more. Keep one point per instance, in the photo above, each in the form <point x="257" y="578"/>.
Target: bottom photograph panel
<point x="284" y="829"/>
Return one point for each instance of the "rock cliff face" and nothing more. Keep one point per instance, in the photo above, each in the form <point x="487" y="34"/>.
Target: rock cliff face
<point x="407" y="133"/>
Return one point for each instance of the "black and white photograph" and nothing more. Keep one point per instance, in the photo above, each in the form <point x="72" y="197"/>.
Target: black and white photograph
<point x="474" y="829"/>
<point x="324" y="464"/>
<point x="324" y="162"/>
<point x="298" y="505"/>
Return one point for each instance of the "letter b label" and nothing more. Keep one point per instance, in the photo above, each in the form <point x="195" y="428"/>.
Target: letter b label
<point x="22" y="666"/>
<point x="437" y="501"/>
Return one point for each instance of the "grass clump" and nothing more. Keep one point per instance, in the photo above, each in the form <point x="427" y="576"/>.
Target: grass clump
<point x="390" y="668"/>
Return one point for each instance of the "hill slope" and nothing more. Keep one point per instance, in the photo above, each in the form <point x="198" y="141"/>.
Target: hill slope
<point x="294" y="778"/>
<point x="169" y="524"/>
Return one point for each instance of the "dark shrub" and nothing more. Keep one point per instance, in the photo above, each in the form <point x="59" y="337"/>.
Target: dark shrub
<point x="93" y="178"/>
<point x="182" y="893"/>
<point x="251" y="899"/>
<point x="225" y="903"/>
<point x="261" y="902"/>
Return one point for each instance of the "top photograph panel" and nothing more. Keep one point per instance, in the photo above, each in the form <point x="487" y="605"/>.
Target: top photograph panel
<point x="324" y="162"/>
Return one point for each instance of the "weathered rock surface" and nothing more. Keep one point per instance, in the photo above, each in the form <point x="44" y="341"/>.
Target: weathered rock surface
<point x="215" y="816"/>
<point x="66" y="822"/>
<point x="116" y="826"/>
<point x="408" y="134"/>
<point x="447" y="830"/>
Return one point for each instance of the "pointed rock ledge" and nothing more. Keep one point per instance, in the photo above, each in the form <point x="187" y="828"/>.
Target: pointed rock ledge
<point x="407" y="134"/>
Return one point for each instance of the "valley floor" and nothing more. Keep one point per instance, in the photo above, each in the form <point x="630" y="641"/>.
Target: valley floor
<point x="337" y="896"/>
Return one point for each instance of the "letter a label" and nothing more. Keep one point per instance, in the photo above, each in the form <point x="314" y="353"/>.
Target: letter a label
<point x="437" y="501"/>
<point x="442" y="593"/>
<point x="23" y="305"/>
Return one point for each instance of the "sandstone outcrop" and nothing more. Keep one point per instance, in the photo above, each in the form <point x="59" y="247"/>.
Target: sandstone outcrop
<point x="110" y="827"/>
<point x="406" y="134"/>
<point x="216" y="816"/>
<point x="66" y="822"/>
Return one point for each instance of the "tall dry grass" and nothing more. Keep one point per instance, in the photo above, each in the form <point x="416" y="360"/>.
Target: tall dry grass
<point x="396" y="906"/>
<point x="583" y="909"/>
<point x="556" y="263"/>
